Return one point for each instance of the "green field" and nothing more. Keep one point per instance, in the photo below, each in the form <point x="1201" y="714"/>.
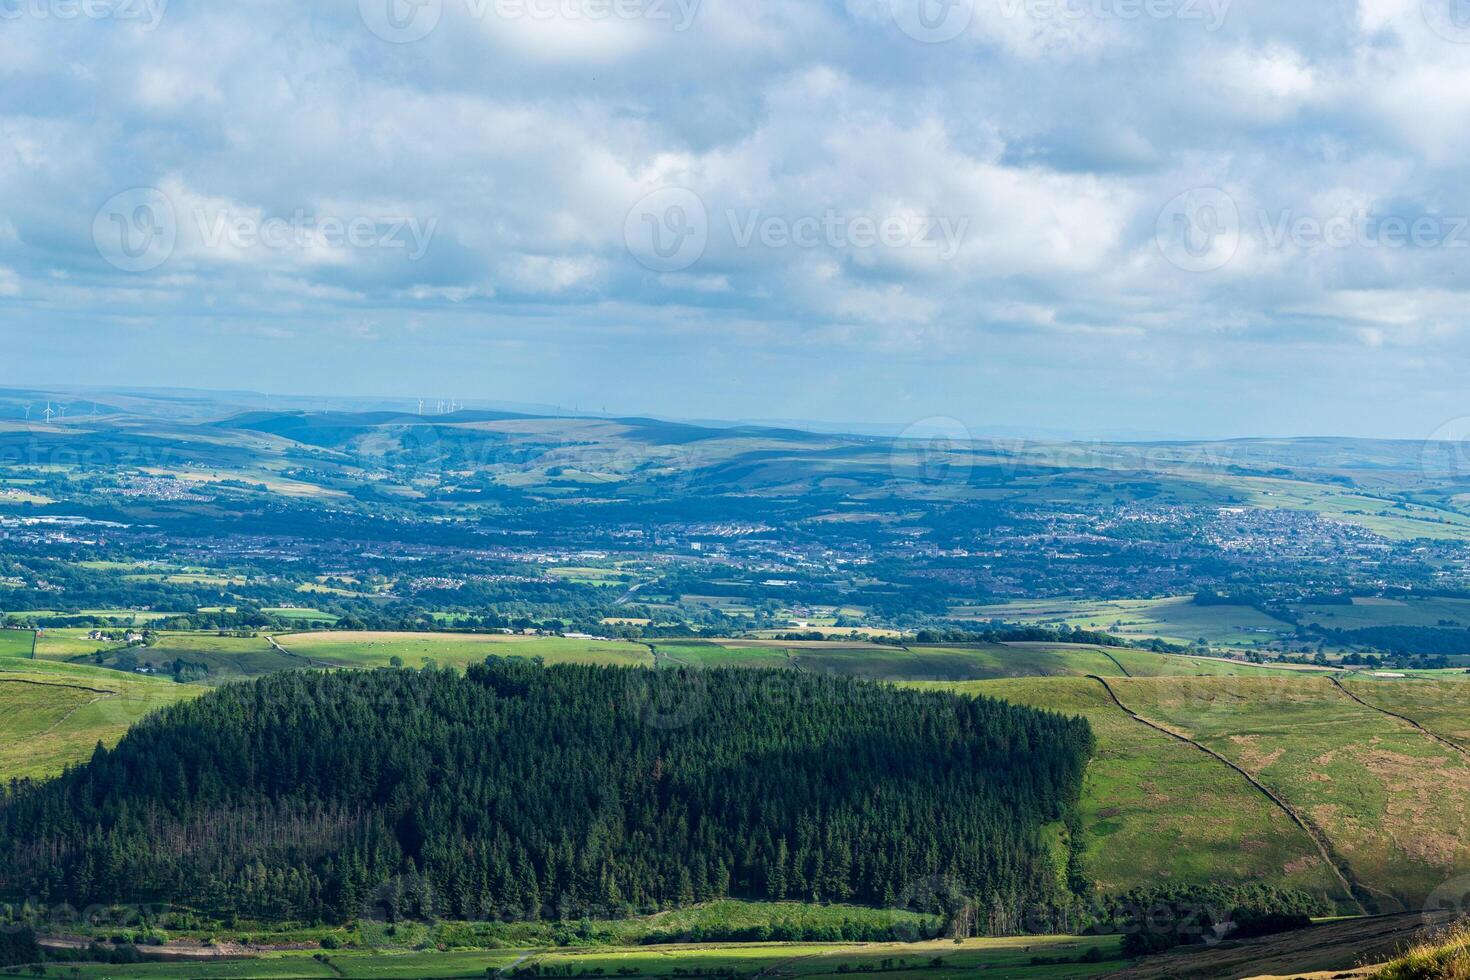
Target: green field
<point x="1369" y="612"/>
<point x="1391" y="800"/>
<point x="301" y="615"/>
<point x="16" y="643"/>
<point x="64" y="644"/>
<point x="52" y="715"/>
<point x="1441" y="706"/>
<point x="971" y="662"/>
<point x="456" y="649"/>
<point x="999" y="958"/>
<point x="1157" y="811"/>
<point x="224" y="658"/>
<point x="978" y="662"/>
<point x="1142" y="663"/>
<point x="1175" y="620"/>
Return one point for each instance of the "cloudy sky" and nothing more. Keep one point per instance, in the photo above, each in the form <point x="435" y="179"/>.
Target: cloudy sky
<point x="1203" y="217"/>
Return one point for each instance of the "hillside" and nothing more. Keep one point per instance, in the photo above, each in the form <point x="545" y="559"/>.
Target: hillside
<point x="530" y="791"/>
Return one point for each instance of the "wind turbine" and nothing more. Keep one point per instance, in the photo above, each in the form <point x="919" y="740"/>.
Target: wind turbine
<point x="421" y="406"/>
<point x="48" y="413"/>
<point x="28" y="413"/>
<point x="63" y="413"/>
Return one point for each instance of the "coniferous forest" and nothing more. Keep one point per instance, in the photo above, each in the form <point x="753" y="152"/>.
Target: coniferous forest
<point x="518" y="790"/>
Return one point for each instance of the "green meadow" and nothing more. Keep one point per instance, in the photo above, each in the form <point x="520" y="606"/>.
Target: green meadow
<point x="1175" y="620"/>
<point x="1391" y="800"/>
<point x="53" y="715"/>
<point x="456" y="649"/>
<point x="16" y="643"/>
<point x="1156" y="810"/>
<point x="1441" y="706"/>
<point x="1001" y="958"/>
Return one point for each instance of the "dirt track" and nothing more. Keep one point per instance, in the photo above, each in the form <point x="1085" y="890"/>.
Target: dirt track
<point x="1333" y="949"/>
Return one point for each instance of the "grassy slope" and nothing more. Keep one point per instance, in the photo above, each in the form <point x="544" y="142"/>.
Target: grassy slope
<point x="53" y="715"/>
<point x="456" y="649"/>
<point x="979" y="662"/>
<point x="228" y="657"/>
<point x="1157" y="811"/>
<point x="1441" y="706"/>
<point x="1393" y="802"/>
<point x="1442" y="957"/>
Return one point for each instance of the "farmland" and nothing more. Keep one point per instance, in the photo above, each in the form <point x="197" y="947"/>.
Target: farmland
<point x="455" y="649"/>
<point x="1012" y="958"/>
<point x="1349" y="769"/>
<point x="52" y="715"/>
<point x="1154" y="810"/>
<point x="16" y="643"/>
<point x="1236" y="603"/>
<point x="1177" y="620"/>
<point x="1391" y="801"/>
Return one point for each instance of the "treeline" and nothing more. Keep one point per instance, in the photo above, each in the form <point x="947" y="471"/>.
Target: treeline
<point x="1020" y="634"/>
<point x="1162" y="917"/>
<point x="1403" y="640"/>
<point x="525" y="792"/>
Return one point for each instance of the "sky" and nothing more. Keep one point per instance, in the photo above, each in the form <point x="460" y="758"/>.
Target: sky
<point x="1197" y="217"/>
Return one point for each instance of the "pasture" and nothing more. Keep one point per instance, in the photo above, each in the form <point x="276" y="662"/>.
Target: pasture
<point x="1174" y="620"/>
<point x="1010" y="957"/>
<point x="1391" y="800"/>
<point x="457" y="650"/>
<point x="1441" y="706"/>
<point x="1369" y="612"/>
<point x="225" y="658"/>
<point x="1156" y="810"/>
<point x="16" y="643"/>
<point x="64" y="644"/>
<point x="53" y="715"/>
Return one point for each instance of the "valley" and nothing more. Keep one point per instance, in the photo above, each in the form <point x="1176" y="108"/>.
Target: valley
<point x="1261" y="717"/>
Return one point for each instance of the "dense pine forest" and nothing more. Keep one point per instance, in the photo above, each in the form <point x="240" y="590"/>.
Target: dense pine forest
<point x="524" y="791"/>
